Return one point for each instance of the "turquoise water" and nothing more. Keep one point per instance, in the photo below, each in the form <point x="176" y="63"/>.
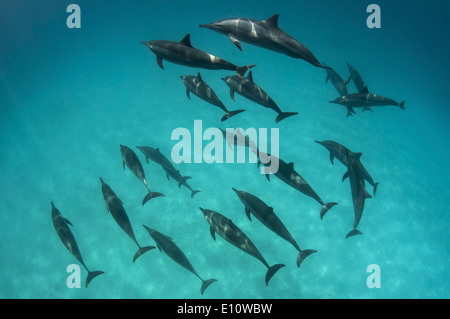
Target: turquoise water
<point x="69" y="97"/>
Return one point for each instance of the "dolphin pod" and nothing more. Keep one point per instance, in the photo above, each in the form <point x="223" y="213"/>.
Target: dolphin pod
<point x="234" y="235"/>
<point x="165" y="244"/>
<point x="64" y="233"/>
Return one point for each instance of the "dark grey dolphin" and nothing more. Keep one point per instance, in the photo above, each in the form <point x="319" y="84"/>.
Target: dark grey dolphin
<point x="155" y="155"/>
<point x="250" y="90"/>
<point x="357" y="79"/>
<point x="196" y="85"/>
<point x="288" y="175"/>
<point x="265" y="34"/>
<point x="68" y="239"/>
<point x="358" y="188"/>
<point x="165" y="244"/>
<point x="338" y="82"/>
<point x="184" y="53"/>
<point x="115" y="206"/>
<point x="232" y="234"/>
<point x="365" y="100"/>
<point x="130" y="159"/>
<point x="342" y="153"/>
<point x="265" y="214"/>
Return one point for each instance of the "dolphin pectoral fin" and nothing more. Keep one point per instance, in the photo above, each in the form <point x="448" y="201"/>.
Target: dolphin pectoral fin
<point x="235" y="41"/>
<point x="168" y="177"/>
<point x="232" y="94"/>
<point x="151" y="195"/>
<point x="268" y="177"/>
<point x="332" y="158"/>
<point x="375" y="187"/>
<point x="353" y="233"/>
<point x="213" y="233"/>
<point x="183" y="180"/>
<point x="188" y="93"/>
<point x="325" y="208"/>
<point x="123" y="164"/>
<point x="271" y="271"/>
<point x="248" y="213"/>
<point x="159" y="61"/>
<point x="326" y="80"/>
<point x="303" y="254"/>
<point x="159" y="248"/>
<point x="205" y="284"/>
<point x="68" y="222"/>
<point x="345" y="176"/>
<point x="91" y="275"/>
<point x="141" y="251"/>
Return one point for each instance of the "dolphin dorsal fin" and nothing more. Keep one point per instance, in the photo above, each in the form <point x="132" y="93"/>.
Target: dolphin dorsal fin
<point x="291" y="165"/>
<point x="199" y="77"/>
<point x="157" y="149"/>
<point x="250" y="76"/>
<point x="357" y="155"/>
<point x="365" y="90"/>
<point x="187" y="40"/>
<point x="272" y="21"/>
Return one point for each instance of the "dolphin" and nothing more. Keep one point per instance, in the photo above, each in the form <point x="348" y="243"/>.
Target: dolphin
<point x="265" y="34"/>
<point x="359" y="192"/>
<point x="130" y="159"/>
<point x="342" y="153"/>
<point x="165" y="244"/>
<point x="365" y="100"/>
<point x="265" y="214"/>
<point x="338" y="82"/>
<point x="63" y="231"/>
<point x="196" y="85"/>
<point x="357" y="79"/>
<point x="250" y="90"/>
<point x="232" y="234"/>
<point x="156" y="156"/>
<point x="115" y="206"/>
<point x="287" y="174"/>
<point x="238" y="139"/>
<point x="184" y="53"/>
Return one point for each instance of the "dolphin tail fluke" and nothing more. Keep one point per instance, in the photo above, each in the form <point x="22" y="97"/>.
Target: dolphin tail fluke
<point x="151" y="195"/>
<point x="401" y="105"/>
<point x="230" y="114"/>
<point x="272" y="271"/>
<point x="375" y="187"/>
<point x="141" y="251"/>
<point x="283" y="115"/>
<point x="325" y="208"/>
<point x="242" y="69"/>
<point x="205" y="284"/>
<point x="303" y="254"/>
<point x="353" y="233"/>
<point x="194" y="192"/>
<point x="91" y="275"/>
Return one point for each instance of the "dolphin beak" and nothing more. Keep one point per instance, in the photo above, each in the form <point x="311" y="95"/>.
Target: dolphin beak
<point x="203" y="211"/>
<point x="235" y="190"/>
<point x="101" y="180"/>
<point x="209" y="26"/>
